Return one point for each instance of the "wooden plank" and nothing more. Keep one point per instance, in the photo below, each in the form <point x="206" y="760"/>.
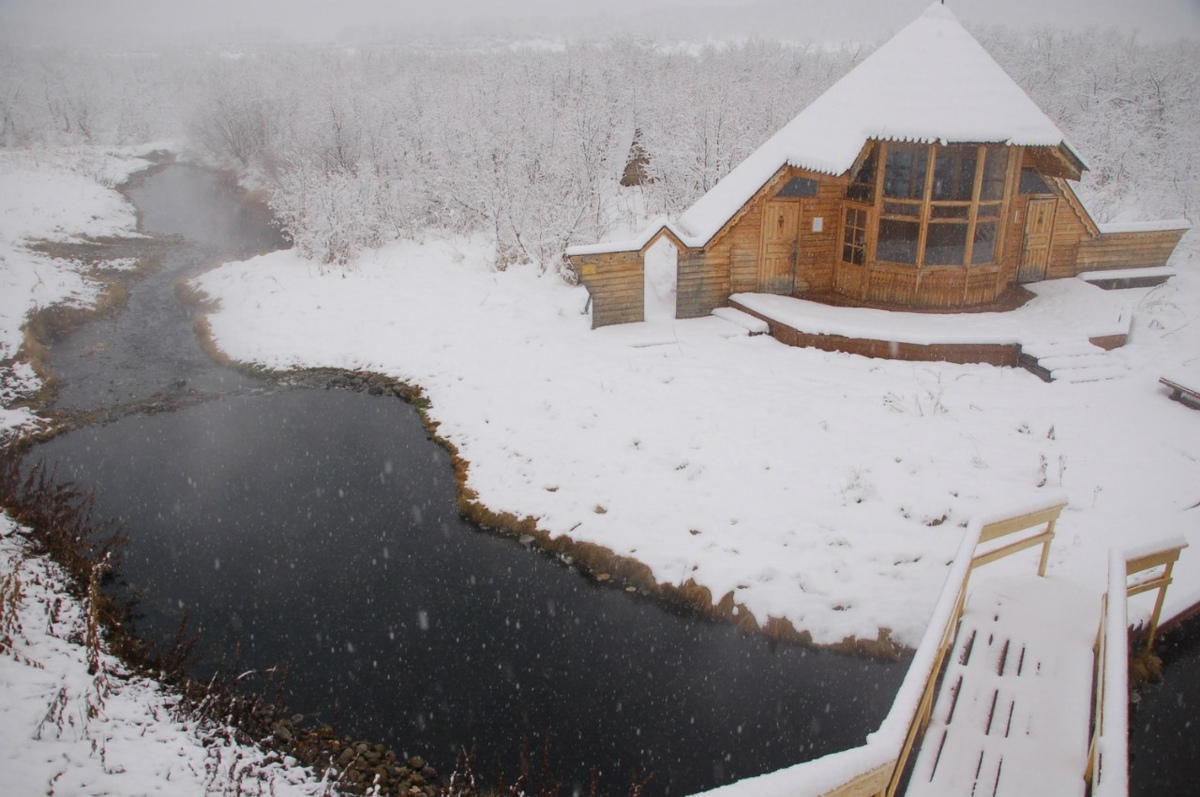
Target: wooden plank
<point x="1011" y="548"/>
<point x="868" y="784"/>
<point x="1028" y="520"/>
<point x="1156" y="559"/>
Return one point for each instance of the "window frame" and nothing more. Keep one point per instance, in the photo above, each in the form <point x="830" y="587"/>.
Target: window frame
<point x="946" y="166"/>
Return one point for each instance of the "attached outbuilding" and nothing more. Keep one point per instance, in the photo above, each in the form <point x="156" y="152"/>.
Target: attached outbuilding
<point x="924" y="179"/>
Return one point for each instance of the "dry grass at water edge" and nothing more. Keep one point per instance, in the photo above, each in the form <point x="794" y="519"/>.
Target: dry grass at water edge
<point x="605" y="566"/>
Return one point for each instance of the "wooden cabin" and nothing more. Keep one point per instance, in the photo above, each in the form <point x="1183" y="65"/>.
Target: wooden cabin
<point x="925" y="179"/>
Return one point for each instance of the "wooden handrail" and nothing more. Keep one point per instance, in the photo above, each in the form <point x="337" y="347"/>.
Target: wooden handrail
<point x="1047" y="515"/>
<point x="1108" y="751"/>
<point x="1163" y="555"/>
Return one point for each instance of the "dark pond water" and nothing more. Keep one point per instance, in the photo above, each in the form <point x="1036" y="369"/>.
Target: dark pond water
<point x="1164" y="727"/>
<point x="318" y="529"/>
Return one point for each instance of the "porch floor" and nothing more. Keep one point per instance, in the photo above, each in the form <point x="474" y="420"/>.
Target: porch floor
<point x="1059" y="312"/>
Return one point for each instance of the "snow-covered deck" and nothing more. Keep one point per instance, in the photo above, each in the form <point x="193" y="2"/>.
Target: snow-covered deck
<point x="1063" y="311"/>
<point x="1012" y="716"/>
<point x="1030" y="676"/>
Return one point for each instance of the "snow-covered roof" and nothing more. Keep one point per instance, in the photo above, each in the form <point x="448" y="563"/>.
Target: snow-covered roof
<point x="931" y="82"/>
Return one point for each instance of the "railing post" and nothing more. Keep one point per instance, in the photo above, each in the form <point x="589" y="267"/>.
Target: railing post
<point x="1164" y="555"/>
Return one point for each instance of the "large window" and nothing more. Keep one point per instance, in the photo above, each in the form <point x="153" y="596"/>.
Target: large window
<point x="940" y="204"/>
<point x="854" y="236"/>
<point x="905" y="174"/>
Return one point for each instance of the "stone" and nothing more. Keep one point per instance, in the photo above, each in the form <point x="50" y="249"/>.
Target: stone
<point x="416" y="763"/>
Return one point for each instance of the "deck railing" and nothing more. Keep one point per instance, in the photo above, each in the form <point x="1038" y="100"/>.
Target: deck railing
<point x="1149" y="568"/>
<point x="876" y="768"/>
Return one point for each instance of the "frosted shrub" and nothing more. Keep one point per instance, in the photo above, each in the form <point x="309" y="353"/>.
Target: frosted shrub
<point x="331" y="216"/>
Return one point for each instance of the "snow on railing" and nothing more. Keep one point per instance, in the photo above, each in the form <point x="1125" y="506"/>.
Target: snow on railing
<point x="875" y="768"/>
<point x="1108" y="757"/>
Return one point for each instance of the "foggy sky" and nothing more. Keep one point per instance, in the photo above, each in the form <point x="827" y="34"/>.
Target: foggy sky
<point x="161" y="21"/>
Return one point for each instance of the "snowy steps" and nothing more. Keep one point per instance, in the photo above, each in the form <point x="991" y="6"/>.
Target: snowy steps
<point x="1070" y="361"/>
<point x="752" y="324"/>
<point x="1012" y="714"/>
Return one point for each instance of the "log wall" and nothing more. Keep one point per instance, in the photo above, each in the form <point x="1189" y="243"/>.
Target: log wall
<point x="703" y="284"/>
<point x="617" y="284"/>
<point x="1112" y="250"/>
<point x="1070" y="230"/>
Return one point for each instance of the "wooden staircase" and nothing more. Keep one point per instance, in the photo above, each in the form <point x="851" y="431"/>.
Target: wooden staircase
<point x="1070" y="361"/>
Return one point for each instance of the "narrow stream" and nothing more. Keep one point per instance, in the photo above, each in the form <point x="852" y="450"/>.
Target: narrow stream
<point x="149" y="349"/>
<point x="318" y="529"/>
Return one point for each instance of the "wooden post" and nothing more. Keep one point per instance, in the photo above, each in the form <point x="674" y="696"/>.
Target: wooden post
<point x="1141" y="561"/>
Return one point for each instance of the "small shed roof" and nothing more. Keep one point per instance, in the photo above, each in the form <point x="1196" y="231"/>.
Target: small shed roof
<point x="931" y="82"/>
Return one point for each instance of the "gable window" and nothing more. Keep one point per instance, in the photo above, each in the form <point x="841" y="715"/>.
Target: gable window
<point x="1032" y="182"/>
<point x="798" y="187"/>
<point x="862" y="187"/>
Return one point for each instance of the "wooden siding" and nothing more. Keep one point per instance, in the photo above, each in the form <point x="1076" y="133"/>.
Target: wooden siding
<point x="703" y="284"/>
<point x="739" y="247"/>
<point x="822" y="250"/>
<point x="850" y="280"/>
<point x="984" y="284"/>
<point x="1148" y="249"/>
<point x="1014" y="242"/>
<point x="1071" y="227"/>
<point x="617" y="284"/>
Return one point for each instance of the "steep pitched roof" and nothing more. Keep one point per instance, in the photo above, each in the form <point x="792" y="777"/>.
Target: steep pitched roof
<point x="931" y="82"/>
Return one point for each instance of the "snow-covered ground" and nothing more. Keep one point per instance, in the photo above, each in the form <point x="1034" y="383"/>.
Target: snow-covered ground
<point x="52" y="195"/>
<point x="828" y="489"/>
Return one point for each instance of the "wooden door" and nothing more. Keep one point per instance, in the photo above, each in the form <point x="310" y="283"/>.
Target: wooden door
<point x="1039" y="229"/>
<point x="780" y="246"/>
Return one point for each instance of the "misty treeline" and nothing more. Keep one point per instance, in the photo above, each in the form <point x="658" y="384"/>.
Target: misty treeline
<point x="527" y="145"/>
